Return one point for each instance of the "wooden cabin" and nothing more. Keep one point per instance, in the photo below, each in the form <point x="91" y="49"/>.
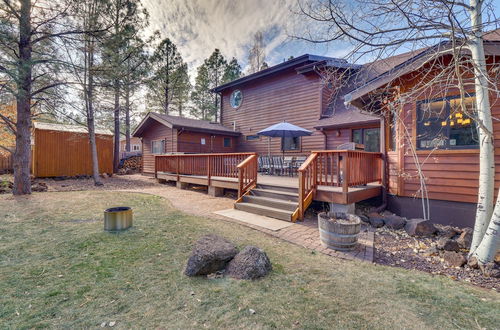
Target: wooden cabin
<point x="297" y="91"/>
<point x="64" y="150"/>
<point x="432" y="121"/>
<point x="163" y="134"/>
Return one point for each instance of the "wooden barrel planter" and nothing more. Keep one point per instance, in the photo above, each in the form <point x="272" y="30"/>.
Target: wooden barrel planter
<point x="117" y="218"/>
<point x="339" y="231"/>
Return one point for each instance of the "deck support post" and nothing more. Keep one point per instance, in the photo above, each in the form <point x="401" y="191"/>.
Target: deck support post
<point x="215" y="191"/>
<point x="182" y="185"/>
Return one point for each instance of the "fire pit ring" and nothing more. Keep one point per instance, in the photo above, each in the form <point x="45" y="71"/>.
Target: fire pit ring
<point x="118" y="218"/>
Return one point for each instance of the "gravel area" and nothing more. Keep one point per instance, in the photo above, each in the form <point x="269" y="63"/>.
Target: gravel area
<point x="396" y="248"/>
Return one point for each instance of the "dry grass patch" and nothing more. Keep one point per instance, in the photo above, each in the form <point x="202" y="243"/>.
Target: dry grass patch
<point x="59" y="269"/>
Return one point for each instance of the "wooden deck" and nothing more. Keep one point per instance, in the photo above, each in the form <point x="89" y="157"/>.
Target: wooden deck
<point x="335" y="176"/>
<point x="323" y="193"/>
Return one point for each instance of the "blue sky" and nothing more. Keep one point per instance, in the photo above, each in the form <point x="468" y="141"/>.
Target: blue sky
<point x="199" y="26"/>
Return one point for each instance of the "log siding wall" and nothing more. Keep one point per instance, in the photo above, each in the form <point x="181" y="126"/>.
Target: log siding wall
<point x="451" y="175"/>
<point x="289" y="96"/>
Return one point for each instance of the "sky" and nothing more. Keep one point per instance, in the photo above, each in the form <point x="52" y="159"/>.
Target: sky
<point x="197" y="27"/>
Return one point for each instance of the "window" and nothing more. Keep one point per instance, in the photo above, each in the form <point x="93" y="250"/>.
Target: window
<point x="369" y="137"/>
<point x="290" y="143"/>
<point x="158" y="146"/>
<point x="135" y="147"/>
<point x="236" y="98"/>
<point x="252" y="137"/>
<point x="227" y="142"/>
<point x="446" y="124"/>
<point x="203" y="141"/>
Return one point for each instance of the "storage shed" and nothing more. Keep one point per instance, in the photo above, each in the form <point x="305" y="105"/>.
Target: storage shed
<point x="64" y="150"/>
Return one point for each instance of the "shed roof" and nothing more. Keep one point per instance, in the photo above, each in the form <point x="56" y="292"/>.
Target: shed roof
<point x="184" y="123"/>
<point x="68" y="128"/>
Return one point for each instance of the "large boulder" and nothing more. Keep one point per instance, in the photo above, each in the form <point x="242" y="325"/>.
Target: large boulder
<point x="465" y="239"/>
<point x="454" y="259"/>
<point x="210" y="254"/>
<point x="447" y="244"/>
<point x="251" y="263"/>
<point x="420" y="227"/>
<point x="376" y="220"/>
<point x="394" y="222"/>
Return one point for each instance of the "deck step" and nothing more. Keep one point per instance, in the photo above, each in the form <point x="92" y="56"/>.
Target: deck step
<point x="278" y="188"/>
<point x="265" y="210"/>
<point x="271" y="202"/>
<point x="277" y="194"/>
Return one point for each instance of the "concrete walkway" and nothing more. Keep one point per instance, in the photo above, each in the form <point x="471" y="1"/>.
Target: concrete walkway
<point x="305" y="233"/>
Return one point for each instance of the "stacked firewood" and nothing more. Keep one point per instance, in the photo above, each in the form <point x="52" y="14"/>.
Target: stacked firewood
<point x="131" y="165"/>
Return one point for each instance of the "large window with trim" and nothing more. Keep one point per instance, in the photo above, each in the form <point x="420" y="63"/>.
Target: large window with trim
<point x="157" y="147"/>
<point x="447" y="123"/>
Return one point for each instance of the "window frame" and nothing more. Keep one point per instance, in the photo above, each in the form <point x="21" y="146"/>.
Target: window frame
<point x="363" y="129"/>
<point x="231" y="98"/>
<point x="299" y="144"/>
<point x="254" y="137"/>
<point x="447" y="146"/>
<point x="161" y="141"/>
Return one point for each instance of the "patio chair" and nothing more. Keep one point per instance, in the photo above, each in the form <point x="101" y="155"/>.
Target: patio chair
<point x="277" y="165"/>
<point x="288" y="165"/>
<point x="299" y="160"/>
<point x="265" y="164"/>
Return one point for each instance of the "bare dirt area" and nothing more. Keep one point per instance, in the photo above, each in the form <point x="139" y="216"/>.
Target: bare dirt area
<point x="396" y="248"/>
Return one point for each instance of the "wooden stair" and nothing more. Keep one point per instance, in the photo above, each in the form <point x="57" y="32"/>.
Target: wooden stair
<point x="271" y="201"/>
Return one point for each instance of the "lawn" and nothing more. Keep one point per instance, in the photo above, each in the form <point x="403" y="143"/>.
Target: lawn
<point x="59" y="269"/>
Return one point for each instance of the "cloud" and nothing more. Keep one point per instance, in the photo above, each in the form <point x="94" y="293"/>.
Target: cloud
<point x="199" y="26"/>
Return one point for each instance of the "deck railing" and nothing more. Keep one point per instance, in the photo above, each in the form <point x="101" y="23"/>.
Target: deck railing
<point x="338" y="168"/>
<point x="247" y="175"/>
<point x="242" y="166"/>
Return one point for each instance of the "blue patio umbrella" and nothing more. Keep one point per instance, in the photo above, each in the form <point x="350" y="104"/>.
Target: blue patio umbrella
<point x="283" y="130"/>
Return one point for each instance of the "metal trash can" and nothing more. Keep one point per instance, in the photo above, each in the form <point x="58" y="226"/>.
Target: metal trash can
<point x="118" y="218"/>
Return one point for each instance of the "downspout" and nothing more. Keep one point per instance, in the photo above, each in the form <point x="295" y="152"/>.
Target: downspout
<point x="383" y="151"/>
<point x="322" y="130"/>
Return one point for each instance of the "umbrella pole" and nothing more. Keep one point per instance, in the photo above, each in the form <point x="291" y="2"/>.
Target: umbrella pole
<point x="269" y="154"/>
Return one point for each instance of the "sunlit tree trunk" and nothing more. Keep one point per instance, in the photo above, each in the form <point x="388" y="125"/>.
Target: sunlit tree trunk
<point x="486" y="148"/>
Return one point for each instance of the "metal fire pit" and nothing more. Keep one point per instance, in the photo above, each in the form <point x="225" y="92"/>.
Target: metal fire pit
<point x="118" y="218"/>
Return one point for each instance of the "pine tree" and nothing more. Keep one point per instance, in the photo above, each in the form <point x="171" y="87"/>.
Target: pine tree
<point x="232" y="72"/>
<point x="127" y="18"/>
<point x="181" y="89"/>
<point x="216" y="68"/>
<point x="201" y="95"/>
<point x="168" y="78"/>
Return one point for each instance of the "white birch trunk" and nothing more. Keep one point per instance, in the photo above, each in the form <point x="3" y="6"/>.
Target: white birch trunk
<point x="486" y="251"/>
<point x="486" y="148"/>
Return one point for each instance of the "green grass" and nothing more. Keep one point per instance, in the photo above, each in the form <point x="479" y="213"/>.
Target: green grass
<point x="59" y="269"/>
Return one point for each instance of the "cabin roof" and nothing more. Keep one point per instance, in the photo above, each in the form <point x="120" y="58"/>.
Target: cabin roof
<point x="414" y="61"/>
<point x="68" y="128"/>
<point x="190" y="124"/>
<point x="297" y="61"/>
<point x="340" y="114"/>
